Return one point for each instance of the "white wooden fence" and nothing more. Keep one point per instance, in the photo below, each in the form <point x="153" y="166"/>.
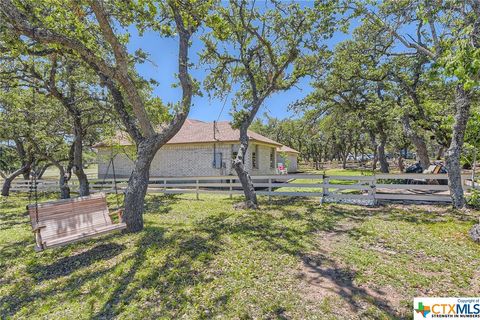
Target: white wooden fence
<point x="356" y="189"/>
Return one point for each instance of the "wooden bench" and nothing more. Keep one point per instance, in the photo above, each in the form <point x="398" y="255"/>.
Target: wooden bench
<point x="66" y="221"/>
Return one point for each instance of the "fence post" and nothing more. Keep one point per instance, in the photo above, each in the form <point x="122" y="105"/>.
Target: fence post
<point x="373" y="188"/>
<point x="164" y="186"/>
<point x="269" y="189"/>
<point x="464" y="179"/>
<point x="197" y="189"/>
<point x="231" y="189"/>
<point x="325" y="181"/>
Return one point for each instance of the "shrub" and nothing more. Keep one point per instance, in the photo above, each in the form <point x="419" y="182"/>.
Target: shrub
<point x="474" y="199"/>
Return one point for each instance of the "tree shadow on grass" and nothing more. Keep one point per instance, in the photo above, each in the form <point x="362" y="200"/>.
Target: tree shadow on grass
<point x="409" y="213"/>
<point x="154" y="203"/>
<point x="326" y="277"/>
<point x="14" y="218"/>
<point x="68" y="265"/>
<point x="168" y="278"/>
<point x="167" y="264"/>
<point x="287" y="231"/>
<point x="160" y="204"/>
<point x="12" y="251"/>
<point x="23" y="293"/>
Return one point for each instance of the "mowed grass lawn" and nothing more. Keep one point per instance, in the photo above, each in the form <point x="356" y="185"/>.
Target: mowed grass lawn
<point x="330" y="172"/>
<point x="201" y="259"/>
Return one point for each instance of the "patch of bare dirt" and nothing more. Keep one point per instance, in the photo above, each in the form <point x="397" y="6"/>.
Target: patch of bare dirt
<point x="324" y="279"/>
<point x="476" y="282"/>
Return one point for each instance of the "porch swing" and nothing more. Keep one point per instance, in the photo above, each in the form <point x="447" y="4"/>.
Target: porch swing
<point x="61" y="222"/>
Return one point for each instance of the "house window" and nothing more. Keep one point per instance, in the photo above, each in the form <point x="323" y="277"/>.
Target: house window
<point x="217" y="160"/>
<point x="255" y="158"/>
<point x="272" y="158"/>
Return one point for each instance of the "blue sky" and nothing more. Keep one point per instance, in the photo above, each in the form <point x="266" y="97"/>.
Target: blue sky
<point x="164" y="54"/>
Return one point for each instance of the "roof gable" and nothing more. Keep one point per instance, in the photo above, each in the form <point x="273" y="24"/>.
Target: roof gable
<point x="196" y="131"/>
<point x="286" y="149"/>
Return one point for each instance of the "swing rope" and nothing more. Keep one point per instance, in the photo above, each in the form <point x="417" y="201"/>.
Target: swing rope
<point x="112" y="163"/>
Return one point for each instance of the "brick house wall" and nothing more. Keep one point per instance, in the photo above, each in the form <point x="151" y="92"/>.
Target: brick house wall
<point x="264" y="165"/>
<point x="293" y="166"/>
<point x="184" y="160"/>
<point x="292" y="161"/>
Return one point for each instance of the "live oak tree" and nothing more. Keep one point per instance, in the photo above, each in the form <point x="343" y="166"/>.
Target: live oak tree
<point x="256" y="52"/>
<point x="351" y="86"/>
<point x="95" y="31"/>
<point x="336" y="134"/>
<point x="66" y="79"/>
<point x="419" y="102"/>
<point x="83" y="105"/>
<point x="11" y="132"/>
<point x="15" y="159"/>
<point x="423" y="103"/>
<point x="294" y="133"/>
<point x="50" y="137"/>
<point x="50" y="144"/>
<point x="9" y="161"/>
<point x="306" y="135"/>
<point x="32" y="125"/>
<point x="450" y="42"/>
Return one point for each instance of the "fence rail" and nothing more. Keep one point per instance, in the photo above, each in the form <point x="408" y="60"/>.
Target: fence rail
<point x="330" y="188"/>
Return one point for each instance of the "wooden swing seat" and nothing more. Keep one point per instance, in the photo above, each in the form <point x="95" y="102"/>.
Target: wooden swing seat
<point x="66" y="221"/>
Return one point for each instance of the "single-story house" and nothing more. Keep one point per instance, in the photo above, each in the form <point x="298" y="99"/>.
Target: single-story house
<point x="198" y="149"/>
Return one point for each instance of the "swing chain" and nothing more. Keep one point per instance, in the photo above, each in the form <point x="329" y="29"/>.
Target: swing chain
<point x="115" y="184"/>
<point x="111" y="163"/>
<point x="33" y="189"/>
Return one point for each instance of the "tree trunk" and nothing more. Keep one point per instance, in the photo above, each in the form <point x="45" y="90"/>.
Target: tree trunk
<point x="138" y="184"/>
<point x="381" y="153"/>
<point x="7" y="183"/>
<point x="251" y="201"/>
<point x="76" y="151"/>
<point x="26" y="174"/>
<point x="42" y="171"/>
<point x="63" y="182"/>
<point x="22" y="154"/>
<point x="84" y="188"/>
<point x="452" y="157"/>
<point x="401" y="165"/>
<point x="375" y="153"/>
<point x="344" y="160"/>
<point x="418" y="142"/>
<point x="64" y="189"/>
<point x="317" y="158"/>
<point x="440" y="153"/>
